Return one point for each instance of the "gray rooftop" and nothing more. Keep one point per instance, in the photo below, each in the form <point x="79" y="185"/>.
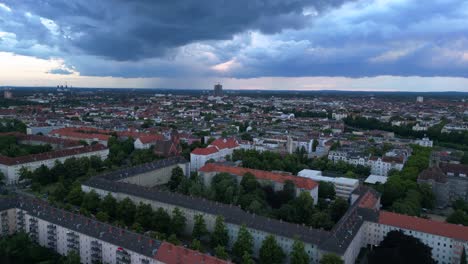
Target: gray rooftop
<point x="117" y="236"/>
<point x="143" y="168"/>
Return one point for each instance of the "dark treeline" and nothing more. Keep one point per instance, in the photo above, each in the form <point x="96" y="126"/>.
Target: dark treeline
<point x="457" y="140"/>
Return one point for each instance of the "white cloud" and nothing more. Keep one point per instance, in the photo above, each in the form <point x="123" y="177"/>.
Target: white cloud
<point x="5" y="7"/>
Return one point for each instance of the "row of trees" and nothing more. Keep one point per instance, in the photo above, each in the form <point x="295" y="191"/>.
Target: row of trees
<point x="340" y="167"/>
<point x="453" y="139"/>
<point x="9" y="147"/>
<point x="272" y="161"/>
<point x="171" y="227"/>
<point x="401" y="193"/>
<point x="12" y="125"/>
<point x="251" y="196"/>
<point x="296" y="162"/>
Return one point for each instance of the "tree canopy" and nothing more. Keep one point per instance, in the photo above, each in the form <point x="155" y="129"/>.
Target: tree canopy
<point x="400" y="248"/>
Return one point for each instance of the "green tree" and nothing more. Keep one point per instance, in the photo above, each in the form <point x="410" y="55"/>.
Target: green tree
<point x="173" y="239"/>
<point x="303" y="207"/>
<point x="331" y="259"/>
<point x="162" y="221"/>
<point x="270" y="252"/>
<point x="109" y="205"/>
<point x="220" y="235"/>
<point x="2" y="178"/>
<point x="102" y="216"/>
<point x="337" y="209"/>
<point x="75" y="196"/>
<point x="91" y="201"/>
<point x="247" y="258"/>
<point x="400" y="248"/>
<point x="176" y="178"/>
<point x="458" y="217"/>
<point x="298" y="253"/>
<point x="144" y="216"/>
<point x="196" y="244"/>
<point x="243" y="244"/>
<point x="326" y="190"/>
<point x="126" y="211"/>
<point x="199" y="227"/>
<point x="221" y="253"/>
<point x="72" y="258"/>
<point x="178" y="221"/>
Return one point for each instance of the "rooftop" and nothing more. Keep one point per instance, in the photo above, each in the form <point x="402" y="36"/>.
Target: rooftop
<point x="424" y="225"/>
<point x="50" y="155"/>
<point x="300" y="182"/>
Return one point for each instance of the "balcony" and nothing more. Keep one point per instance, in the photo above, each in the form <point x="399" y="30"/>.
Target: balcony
<point x="123" y="257"/>
<point x="75" y="247"/>
<point x="52" y="244"/>
<point x="96" y="257"/>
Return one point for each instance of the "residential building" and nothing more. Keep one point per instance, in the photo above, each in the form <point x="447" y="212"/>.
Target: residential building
<point x="362" y="225"/>
<point x="216" y="151"/>
<point x="218" y="90"/>
<point x="343" y="186"/>
<point x="448" y="181"/>
<point x="94" y="241"/>
<point x="11" y="167"/>
<point x="425" y="142"/>
<point x="276" y="180"/>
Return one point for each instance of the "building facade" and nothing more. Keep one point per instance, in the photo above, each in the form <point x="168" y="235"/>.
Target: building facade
<point x="94" y="241"/>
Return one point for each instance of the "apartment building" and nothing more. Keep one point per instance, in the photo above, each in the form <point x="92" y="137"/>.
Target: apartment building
<point x="362" y="225"/>
<point x="276" y="180"/>
<point x="343" y="186"/>
<point x="94" y="241"/>
<point x="11" y="167"/>
<point x="217" y="151"/>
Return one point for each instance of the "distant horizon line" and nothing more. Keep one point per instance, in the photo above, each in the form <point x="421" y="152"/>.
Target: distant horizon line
<point x="234" y="89"/>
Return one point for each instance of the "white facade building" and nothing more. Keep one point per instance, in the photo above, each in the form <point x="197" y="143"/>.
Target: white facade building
<point x="343" y="186"/>
<point x="217" y="151"/>
<point x="425" y="142"/>
<point x="11" y="167"/>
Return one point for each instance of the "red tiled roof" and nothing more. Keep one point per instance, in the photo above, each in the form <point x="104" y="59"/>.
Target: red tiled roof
<point x="222" y="143"/>
<point x="424" y="225"/>
<point x="300" y="182"/>
<point x="50" y="155"/>
<point x="171" y="254"/>
<point x="368" y="201"/>
<point x="205" y="151"/>
<point x="44" y="139"/>
<point x="150" y="138"/>
<point x="82" y="133"/>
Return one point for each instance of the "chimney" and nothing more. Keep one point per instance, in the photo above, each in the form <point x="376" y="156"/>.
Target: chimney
<point x="110" y="229"/>
<point x="151" y="242"/>
<point x="139" y="238"/>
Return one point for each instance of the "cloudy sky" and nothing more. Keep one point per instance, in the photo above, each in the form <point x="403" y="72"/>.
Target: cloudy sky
<point x="406" y="45"/>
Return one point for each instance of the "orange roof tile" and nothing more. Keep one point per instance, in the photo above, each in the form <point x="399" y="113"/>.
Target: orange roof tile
<point x="171" y="254"/>
<point x="205" y="151"/>
<point x="424" y="225"/>
<point x="222" y="143"/>
<point x="300" y="182"/>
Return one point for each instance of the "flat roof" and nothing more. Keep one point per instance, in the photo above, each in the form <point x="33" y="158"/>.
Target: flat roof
<point x="373" y="179"/>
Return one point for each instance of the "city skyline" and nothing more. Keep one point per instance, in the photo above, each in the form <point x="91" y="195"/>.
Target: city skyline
<point x="370" y="45"/>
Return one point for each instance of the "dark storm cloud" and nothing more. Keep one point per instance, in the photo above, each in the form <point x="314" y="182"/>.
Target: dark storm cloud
<point x="131" y="30"/>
